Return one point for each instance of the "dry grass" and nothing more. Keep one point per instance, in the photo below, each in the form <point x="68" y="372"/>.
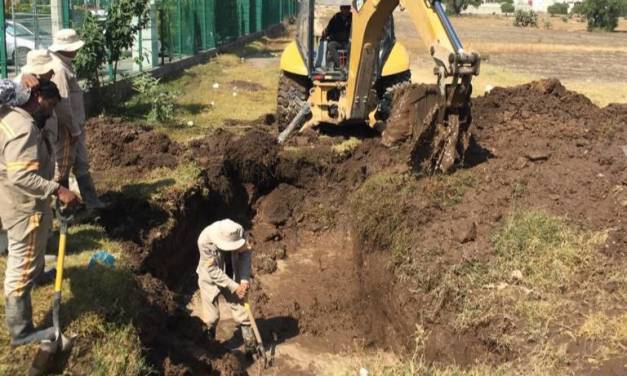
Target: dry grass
<point x="99" y="305"/>
<point x="520" y="48"/>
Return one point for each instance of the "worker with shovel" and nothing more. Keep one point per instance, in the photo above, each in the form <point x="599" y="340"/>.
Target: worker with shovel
<point x="26" y="187"/>
<point x="216" y="242"/>
<point x="71" y="151"/>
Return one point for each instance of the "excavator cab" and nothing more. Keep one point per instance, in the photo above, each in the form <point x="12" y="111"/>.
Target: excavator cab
<point x="305" y="59"/>
<point x="371" y="84"/>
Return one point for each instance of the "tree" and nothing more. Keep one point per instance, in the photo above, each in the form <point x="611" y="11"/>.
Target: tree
<point x="524" y="18"/>
<point x="120" y="28"/>
<point x="557" y="8"/>
<point x="507" y="8"/>
<point x="603" y="14"/>
<point x="91" y="57"/>
<point x="455" y="7"/>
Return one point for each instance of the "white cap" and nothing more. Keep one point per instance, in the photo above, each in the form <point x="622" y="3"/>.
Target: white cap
<point x="66" y="40"/>
<point x="38" y="62"/>
<point x="227" y="235"/>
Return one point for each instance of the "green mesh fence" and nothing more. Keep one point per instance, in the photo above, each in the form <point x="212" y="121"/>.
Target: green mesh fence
<point x="183" y="27"/>
<point x="187" y="26"/>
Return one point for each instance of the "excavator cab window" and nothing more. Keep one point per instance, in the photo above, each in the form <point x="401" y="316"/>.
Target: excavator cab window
<point x="322" y="53"/>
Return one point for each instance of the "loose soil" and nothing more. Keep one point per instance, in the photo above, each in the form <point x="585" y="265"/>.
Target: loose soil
<point x="316" y="286"/>
<point x="115" y="143"/>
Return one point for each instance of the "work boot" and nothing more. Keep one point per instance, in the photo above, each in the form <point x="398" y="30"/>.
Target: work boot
<point x="250" y="343"/>
<point x="19" y="316"/>
<point x="88" y="192"/>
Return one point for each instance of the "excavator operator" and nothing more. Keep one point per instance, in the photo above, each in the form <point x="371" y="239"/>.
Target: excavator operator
<point x="337" y="34"/>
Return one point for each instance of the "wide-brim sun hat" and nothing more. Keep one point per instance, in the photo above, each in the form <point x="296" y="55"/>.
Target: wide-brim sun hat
<point x="227" y="235"/>
<point x="38" y="62"/>
<point x="66" y="40"/>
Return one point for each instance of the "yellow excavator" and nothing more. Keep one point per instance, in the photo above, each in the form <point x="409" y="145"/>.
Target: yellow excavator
<point x="371" y="84"/>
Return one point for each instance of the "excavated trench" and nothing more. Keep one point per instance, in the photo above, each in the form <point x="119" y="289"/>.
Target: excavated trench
<point x="312" y="277"/>
<point x="277" y="198"/>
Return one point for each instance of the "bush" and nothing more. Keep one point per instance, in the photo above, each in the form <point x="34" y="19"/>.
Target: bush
<point x="557" y="8"/>
<point x="525" y="18"/>
<point x="507" y="8"/>
<point x="455" y="7"/>
<point x="578" y="9"/>
<point x="161" y="101"/>
<point x="603" y="14"/>
<point x="91" y="57"/>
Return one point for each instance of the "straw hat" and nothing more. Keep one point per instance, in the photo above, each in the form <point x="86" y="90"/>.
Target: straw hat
<point x="227" y="235"/>
<point x="38" y="62"/>
<point x="66" y="40"/>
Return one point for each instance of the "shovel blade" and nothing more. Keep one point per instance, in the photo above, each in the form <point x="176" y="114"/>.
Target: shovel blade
<point x="52" y="356"/>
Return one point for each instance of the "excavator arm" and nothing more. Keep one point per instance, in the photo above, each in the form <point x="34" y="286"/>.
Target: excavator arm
<point x="435" y="30"/>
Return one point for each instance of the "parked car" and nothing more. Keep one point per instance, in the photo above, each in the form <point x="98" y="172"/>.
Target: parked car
<point x="20" y="40"/>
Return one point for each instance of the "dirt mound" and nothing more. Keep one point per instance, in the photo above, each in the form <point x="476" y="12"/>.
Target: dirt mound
<point x="349" y="245"/>
<point x="115" y="143"/>
<point x="544" y="149"/>
<point x="254" y="159"/>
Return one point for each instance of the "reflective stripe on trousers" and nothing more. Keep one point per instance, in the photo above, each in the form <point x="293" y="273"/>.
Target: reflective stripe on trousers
<point x="27" y="247"/>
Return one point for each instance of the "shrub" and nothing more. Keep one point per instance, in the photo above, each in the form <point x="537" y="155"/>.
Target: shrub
<point x="161" y="101"/>
<point x="603" y="14"/>
<point x="525" y="18"/>
<point x="507" y="8"/>
<point x="455" y="7"/>
<point x="557" y="8"/>
<point x="91" y="57"/>
<point x="578" y="9"/>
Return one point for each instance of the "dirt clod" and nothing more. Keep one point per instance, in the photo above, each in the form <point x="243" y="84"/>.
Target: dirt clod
<point x="114" y="143"/>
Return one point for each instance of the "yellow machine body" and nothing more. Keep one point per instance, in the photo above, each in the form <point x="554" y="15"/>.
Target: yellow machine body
<point x="292" y="61"/>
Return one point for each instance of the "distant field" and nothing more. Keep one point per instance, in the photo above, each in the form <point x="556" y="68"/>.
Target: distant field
<point x="592" y="63"/>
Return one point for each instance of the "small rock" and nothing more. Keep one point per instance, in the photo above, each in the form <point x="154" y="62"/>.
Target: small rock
<point x="212" y="104"/>
<point x="525" y="290"/>
<point x="280" y="253"/>
<point x="190" y="123"/>
<point x="215" y="86"/>
<point x="538" y="155"/>
<point x="516" y="275"/>
<point x="267" y="265"/>
<point x="520" y="163"/>
<point x="488" y="89"/>
<point x="554" y="197"/>
<point x="600" y="175"/>
<point x="502" y="286"/>
<point x="624" y="204"/>
<point x="234" y="94"/>
<point x="470" y="234"/>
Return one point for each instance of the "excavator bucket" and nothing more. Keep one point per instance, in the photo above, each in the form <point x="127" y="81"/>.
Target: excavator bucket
<point x="437" y="127"/>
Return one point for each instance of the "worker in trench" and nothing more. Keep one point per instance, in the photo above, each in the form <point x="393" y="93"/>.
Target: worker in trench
<point x="26" y="189"/>
<point x="217" y="242"/>
<point x="71" y="152"/>
<point x="338" y="33"/>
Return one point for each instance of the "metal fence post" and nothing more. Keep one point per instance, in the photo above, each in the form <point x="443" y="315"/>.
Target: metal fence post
<point x="244" y="10"/>
<point x="3" y="44"/>
<point x="258" y="15"/>
<point x="67" y="8"/>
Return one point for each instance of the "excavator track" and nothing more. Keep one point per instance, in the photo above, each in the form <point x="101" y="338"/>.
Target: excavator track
<point x="436" y="127"/>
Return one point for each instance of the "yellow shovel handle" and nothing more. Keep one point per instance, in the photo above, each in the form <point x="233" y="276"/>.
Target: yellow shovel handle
<point x="60" y="258"/>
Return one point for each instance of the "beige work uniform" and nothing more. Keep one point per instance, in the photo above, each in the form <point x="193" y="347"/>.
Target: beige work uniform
<point x="26" y="170"/>
<point x="213" y="280"/>
<point x="70" y="118"/>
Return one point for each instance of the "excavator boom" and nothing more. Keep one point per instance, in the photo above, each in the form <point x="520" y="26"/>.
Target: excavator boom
<point x="432" y="25"/>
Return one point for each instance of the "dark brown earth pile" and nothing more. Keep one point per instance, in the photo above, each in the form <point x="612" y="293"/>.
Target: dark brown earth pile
<point x="114" y="143"/>
<point x="539" y="146"/>
<point x="542" y="148"/>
